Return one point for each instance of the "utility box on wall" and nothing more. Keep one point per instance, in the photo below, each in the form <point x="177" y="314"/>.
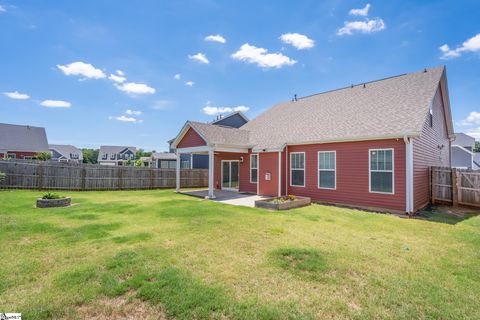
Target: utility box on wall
<point x="268" y="176"/>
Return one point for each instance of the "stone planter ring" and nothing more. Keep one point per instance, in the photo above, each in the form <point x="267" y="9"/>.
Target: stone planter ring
<point x="53" y="203"/>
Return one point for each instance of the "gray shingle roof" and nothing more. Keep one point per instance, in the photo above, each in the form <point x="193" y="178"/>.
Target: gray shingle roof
<point x="388" y="108"/>
<point x="22" y="138"/>
<point x="222" y="135"/>
<point x="394" y="106"/>
<point x="464" y="140"/>
<point x="164" y="156"/>
<point x="66" y="150"/>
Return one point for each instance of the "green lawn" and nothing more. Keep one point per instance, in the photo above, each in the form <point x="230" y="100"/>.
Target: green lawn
<point x="156" y="254"/>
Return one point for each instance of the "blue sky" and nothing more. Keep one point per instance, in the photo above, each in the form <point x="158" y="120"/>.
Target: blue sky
<point x="131" y="73"/>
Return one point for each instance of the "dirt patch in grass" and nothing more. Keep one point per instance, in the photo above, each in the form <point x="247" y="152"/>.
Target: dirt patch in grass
<point x="123" y="307"/>
<point x="84" y="217"/>
<point x="309" y="263"/>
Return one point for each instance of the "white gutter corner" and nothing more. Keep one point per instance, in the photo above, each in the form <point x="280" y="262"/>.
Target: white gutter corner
<point x="409" y="203"/>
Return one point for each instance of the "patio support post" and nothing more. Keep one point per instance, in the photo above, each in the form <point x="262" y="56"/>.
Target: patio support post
<point x="211" y="168"/>
<point x="177" y="175"/>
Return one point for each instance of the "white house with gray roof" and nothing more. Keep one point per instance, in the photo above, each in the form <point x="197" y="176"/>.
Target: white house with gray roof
<point x="66" y="153"/>
<point x="116" y="155"/>
<point x="463" y="156"/>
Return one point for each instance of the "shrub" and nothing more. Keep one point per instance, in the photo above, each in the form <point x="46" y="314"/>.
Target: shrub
<point x="291" y="197"/>
<point x="2" y="177"/>
<point x="43" y="156"/>
<point x="50" y="195"/>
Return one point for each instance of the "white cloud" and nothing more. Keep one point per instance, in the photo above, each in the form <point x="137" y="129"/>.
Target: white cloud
<point x="81" y="69"/>
<point x="297" y="40"/>
<point x="16" y="95"/>
<point x="211" y="111"/>
<point x="360" y="12"/>
<point x="470" y="45"/>
<point x="241" y="108"/>
<point x="199" y="57"/>
<point x="136" y="88"/>
<point x="2" y="9"/>
<point x="126" y="119"/>
<point x="189" y="83"/>
<point x="475" y="133"/>
<point x="260" y="57"/>
<point x="55" y="104"/>
<point x="120" y="73"/>
<point x="472" y="119"/>
<point x="133" y="112"/>
<point x="177" y="76"/>
<point x="117" y="78"/>
<point x="367" y="26"/>
<point x="162" y="105"/>
<point x="215" y="38"/>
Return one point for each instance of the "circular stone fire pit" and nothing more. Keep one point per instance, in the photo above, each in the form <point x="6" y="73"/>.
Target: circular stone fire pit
<point x="53" y="203"/>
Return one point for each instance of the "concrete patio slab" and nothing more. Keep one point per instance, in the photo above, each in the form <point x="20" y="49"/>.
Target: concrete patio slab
<point x="228" y="197"/>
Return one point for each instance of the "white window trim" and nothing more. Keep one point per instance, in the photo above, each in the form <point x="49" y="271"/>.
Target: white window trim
<point x="370" y="171"/>
<point x="304" y="166"/>
<point x="334" y="170"/>
<point x="251" y="155"/>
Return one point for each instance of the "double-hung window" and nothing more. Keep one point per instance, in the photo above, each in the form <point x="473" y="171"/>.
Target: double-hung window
<point x="297" y="169"/>
<point x="381" y="171"/>
<point x="253" y="168"/>
<point x="327" y="169"/>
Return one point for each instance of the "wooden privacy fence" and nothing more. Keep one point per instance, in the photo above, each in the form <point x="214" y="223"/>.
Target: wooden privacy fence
<point x="455" y="186"/>
<point x="67" y="176"/>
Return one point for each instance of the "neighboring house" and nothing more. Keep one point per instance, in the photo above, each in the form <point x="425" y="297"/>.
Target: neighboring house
<point x="116" y="155"/>
<point x="22" y="142"/>
<point x="200" y="161"/>
<point x="146" y="161"/>
<point x="167" y="160"/>
<point x="462" y="152"/>
<point x="369" y="145"/>
<point x="476" y="161"/>
<point x="66" y="153"/>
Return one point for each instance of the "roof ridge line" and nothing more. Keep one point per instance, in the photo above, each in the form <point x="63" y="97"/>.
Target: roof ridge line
<point x="354" y="85"/>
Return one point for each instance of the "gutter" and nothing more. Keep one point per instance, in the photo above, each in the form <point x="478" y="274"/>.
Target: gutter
<point x="409" y="198"/>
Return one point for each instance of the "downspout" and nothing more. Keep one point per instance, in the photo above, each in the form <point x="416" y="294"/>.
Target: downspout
<point x="409" y="174"/>
<point x="279" y="173"/>
<point x="286" y="170"/>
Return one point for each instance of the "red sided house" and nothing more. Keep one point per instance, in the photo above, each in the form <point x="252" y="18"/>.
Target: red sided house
<point x="22" y="142"/>
<point x="368" y="145"/>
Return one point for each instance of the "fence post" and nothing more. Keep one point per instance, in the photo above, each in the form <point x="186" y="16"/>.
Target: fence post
<point x="434" y="183"/>
<point x="455" y="194"/>
<point x="40" y="177"/>
<point x="458" y="185"/>
<point x="84" y="178"/>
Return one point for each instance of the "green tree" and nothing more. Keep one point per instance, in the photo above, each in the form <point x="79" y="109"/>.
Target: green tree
<point x="142" y="153"/>
<point x="138" y="163"/>
<point x="477" y="146"/>
<point x="90" y="155"/>
<point x="2" y="177"/>
<point x="43" y="156"/>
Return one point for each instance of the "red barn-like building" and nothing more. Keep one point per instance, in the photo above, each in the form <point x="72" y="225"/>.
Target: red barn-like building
<point x="22" y="142"/>
<point x="368" y="145"/>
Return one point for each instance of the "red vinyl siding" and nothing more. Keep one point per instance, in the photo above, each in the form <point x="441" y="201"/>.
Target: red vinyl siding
<point x="268" y="164"/>
<point x="191" y="139"/>
<point x="22" y="154"/>
<point x="352" y="170"/>
<point x="432" y="148"/>
<point x="244" y="173"/>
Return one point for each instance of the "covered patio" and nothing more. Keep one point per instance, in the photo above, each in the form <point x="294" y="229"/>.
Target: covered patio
<point x="227" y="197"/>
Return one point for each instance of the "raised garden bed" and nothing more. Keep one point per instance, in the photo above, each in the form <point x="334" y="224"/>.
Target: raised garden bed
<point x="283" y="203"/>
<point x="51" y="200"/>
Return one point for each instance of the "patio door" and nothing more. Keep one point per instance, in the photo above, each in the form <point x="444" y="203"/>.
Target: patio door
<point x="230" y="175"/>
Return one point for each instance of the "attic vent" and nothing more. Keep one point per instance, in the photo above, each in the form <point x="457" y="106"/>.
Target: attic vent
<point x="364" y="85"/>
<point x="294" y="98"/>
<point x="351" y="86"/>
<point x="425" y="70"/>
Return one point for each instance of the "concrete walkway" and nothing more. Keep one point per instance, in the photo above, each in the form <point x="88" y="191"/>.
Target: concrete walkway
<point x="228" y="197"/>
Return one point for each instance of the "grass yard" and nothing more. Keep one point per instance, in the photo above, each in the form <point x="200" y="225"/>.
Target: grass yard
<point x="155" y="254"/>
